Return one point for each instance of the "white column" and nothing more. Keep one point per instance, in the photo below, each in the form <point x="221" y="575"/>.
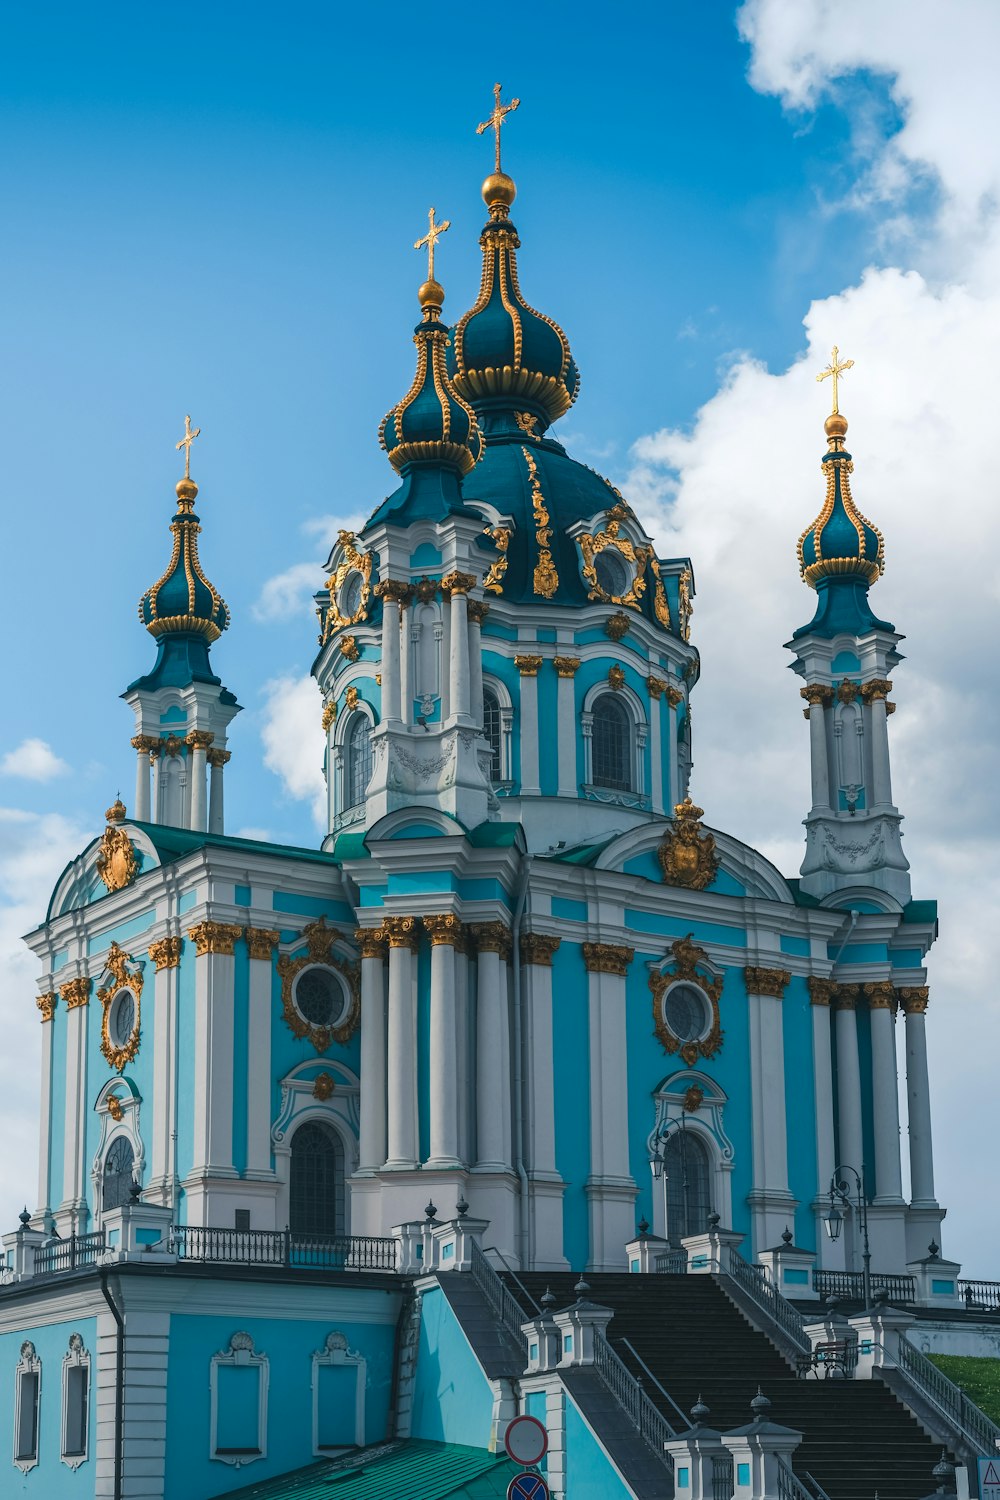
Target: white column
<point x="402" y="1044"/>
<point x="674" y="697"/>
<point x="539" y="1052"/>
<point x="261" y="943"/>
<point x="406" y="689"/>
<point x="528" y="667"/>
<point x="492" y="1048"/>
<point x="821" y="992"/>
<point x="456" y="587"/>
<point x="478" y="610"/>
<point x="214" y="984"/>
<point x="198" y="742"/>
<point x="885" y="1096"/>
<point x="851" y="1142"/>
<point x="918" y="1097"/>
<point x="765" y="989"/>
<point x="76" y="998"/>
<point x="47" y="1005"/>
<point x="166" y="955"/>
<point x="372" y="1140"/>
<point x="875" y="694"/>
<point x="217" y="759"/>
<point x="143" y="745"/>
<point x="444" y="932"/>
<point x="656" y="751"/>
<point x="465" y="1078"/>
<point x="566" y="722"/>
<point x="610" y="1187"/>
<point x="818" y="697"/>
<point x="390" y="650"/>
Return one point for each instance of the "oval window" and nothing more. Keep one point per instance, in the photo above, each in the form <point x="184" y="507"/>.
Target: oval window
<point x="612" y="573"/>
<point x="319" y="997"/>
<point x="350" y="595"/>
<point x="123" y="1018"/>
<point x="687" y="1012"/>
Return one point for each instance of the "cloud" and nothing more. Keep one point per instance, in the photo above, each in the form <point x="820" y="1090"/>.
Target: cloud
<point x="33" y="759"/>
<point x="294" y="740"/>
<point x="290" y="592"/>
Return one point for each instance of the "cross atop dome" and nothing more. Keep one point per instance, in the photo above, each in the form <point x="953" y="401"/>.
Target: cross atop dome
<point x="496" y="120"/>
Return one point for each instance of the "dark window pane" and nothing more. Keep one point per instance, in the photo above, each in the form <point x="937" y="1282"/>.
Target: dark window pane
<point x="319" y="996"/>
<point x="611" y="744"/>
<point x="317" y="1181"/>
<point x="689" y="1198"/>
<point x="492" y="730"/>
<point x="75" y="1431"/>
<point x="359" y="760"/>
<point x="27" y="1424"/>
<point x="119" y="1165"/>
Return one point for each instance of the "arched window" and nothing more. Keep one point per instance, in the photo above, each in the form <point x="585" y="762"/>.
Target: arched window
<point x="359" y="760"/>
<point x="612" y="572"/>
<point x="317" y="1185"/>
<point x="612" y="747"/>
<point x="119" y="1167"/>
<point x="493" y="732"/>
<point x="687" y="1176"/>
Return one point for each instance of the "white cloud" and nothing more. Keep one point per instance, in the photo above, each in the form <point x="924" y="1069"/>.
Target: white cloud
<point x="290" y="592"/>
<point x="293" y="740"/>
<point x="34" y="760"/>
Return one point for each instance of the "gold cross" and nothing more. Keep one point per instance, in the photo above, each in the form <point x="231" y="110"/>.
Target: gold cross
<point x="836" y="367"/>
<point x="430" y="239"/>
<point x="496" y="119"/>
<point x="185" y="443"/>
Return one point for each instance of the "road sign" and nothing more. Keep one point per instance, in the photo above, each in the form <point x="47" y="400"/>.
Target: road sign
<point x="527" y="1487"/>
<point x="989" y="1478"/>
<point x="526" y="1442"/>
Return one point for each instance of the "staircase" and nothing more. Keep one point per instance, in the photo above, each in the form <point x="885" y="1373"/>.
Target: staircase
<point x="857" y="1438"/>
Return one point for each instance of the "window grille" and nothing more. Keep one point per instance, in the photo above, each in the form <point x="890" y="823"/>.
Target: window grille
<point x="612" y="748"/>
<point x="317" y="1187"/>
<point x="493" y="732"/>
<point x="119" y="1167"/>
<point x="359" y="760"/>
<point x="688" y="1175"/>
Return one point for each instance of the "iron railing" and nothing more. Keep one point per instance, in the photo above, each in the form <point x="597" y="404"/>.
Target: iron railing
<point x="850" y="1285"/>
<point x="982" y="1434"/>
<point x="980" y="1294"/>
<point x="68" y="1254"/>
<point x="277" y="1247"/>
<point x="501" y="1299"/>
<point x="671" y="1262"/>
<point x="790" y="1487"/>
<point x="753" y="1280"/>
<point x="643" y="1413"/>
<point x="722" y="1477"/>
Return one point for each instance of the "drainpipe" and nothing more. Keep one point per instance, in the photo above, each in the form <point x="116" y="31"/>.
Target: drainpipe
<point x="119" y="1380"/>
<point x="847" y="936"/>
<point x="524" y="1228"/>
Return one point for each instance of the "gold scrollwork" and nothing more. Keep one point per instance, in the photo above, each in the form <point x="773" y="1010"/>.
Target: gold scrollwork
<point x="323" y="1087"/>
<point x="687" y="853"/>
<point x="75" y="992"/>
<point x="47" y="1004"/>
<point x="607" y="958"/>
<point x="500" y="536"/>
<point x="319" y="940"/>
<point x="690" y="964"/>
<point x="116" y="862"/>
<point x="166" y="952"/>
<point x="913" y="999"/>
<point x="351" y="698"/>
<point x="660" y="606"/>
<point x="771" y="982"/>
<point x="528" y="665"/>
<point x="329" y="715"/>
<point x="261" y="942"/>
<point x="537" y="948"/>
<point x="115" y="1107"/>
<point x="527" y="423"/>
<point x="353" y="562"/>
<point x="685" y="604"/>
<point x="591" y="546"/>
<point x="616" y="678"/>
<point x="123" y="978"/>
<point x="617" y="625"/>
<point x="821" y="991"/>
<point x="214" y="937"/>
<point x="566" y="666"/>
<point x="546" y="579"/>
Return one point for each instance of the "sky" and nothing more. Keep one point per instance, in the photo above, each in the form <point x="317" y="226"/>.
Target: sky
<point x="214" y="213"/>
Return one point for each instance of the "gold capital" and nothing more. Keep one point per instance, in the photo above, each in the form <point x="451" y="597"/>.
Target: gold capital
<point x="537" y="948"/>
<point x="185" y="443"/>
<point x="199" y="739"/>
<point x="566" y="666"/>
<point x="214" y="937"/>
<point x="395" y="590"/>
<point x="913" y="999"/>
<point x="496" y="119"/>
<point x="261" y="942"/>
<point x="881" y="995"/>
<point x="821" y="991"/>
<point x="47" y="1004"/>
<point x="816" y="693"/>
<point x="457" y="583"/>
<point x="371" y="941"/>
<point x="845" y="996"/>
<point x="876" y="687"/>
<point x="477" y="610"/>
<point x="655" y="685"/>
<point x="835" y="368"/>
<point x="430" y="239"/>
<point x="219" y="758"/>
<point x="607" y="958"/>
<point x="528" y="665"/>
<point x="444" y="929"/>
<point x="491" y="937"/>
<point x="402" y="932"/>
<point x="766" y="981"/>
<point x="75" y="992"/>
<point x="166" y="952"/>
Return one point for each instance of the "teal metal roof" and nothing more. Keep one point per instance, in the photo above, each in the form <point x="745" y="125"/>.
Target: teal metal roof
<point x="173" y="843"/>
<point x="406" y="1471"/>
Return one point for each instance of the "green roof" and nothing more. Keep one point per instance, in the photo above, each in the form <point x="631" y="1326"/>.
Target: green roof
<point x="433" y="1471"/>
<point x="920" y="911"/>
<point x="171" y="843"/>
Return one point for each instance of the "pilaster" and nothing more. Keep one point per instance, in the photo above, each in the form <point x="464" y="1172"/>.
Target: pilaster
<point x="610" y="1187"/>
<point x="213" y="1066"/>
<point x="261" y="943"/>
<point x="165" y="954"/>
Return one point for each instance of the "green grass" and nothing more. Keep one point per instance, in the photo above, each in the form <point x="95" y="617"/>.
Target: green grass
<point x="978" y="1378"/>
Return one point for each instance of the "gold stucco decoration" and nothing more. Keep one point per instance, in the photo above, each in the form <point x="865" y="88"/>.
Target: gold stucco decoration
<point x="116" y="862"/>
<point x="319" y="940"/>
<point x="323" y="1087"/>
<point x="500" y="537"/>
<point x="687" y="852"/>
<point x="125" y="977"/>
<point x="546" y="579"/>
<point x="352" y="561"/>
<point x="690" y="964"/>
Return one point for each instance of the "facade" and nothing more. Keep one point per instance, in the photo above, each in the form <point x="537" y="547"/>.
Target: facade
<point x="520" y="968"/>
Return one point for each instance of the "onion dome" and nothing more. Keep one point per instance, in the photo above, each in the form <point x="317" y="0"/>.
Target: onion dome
<point x="505" y="353"/>
<point x="183" y="601"/>
<point x="840" y="541"/>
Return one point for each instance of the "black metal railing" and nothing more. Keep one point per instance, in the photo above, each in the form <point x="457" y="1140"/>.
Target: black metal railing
<point x="68" y="1254"/>
<point x="850" y="1285"/>
<point x="754" y="1282"/>
<point x="722" y="1478"/>
<point x="671" y="1262"/>
<point x="790" y="1487"/>
<point x="643" y="1413"/>
<point x="980" y="1294"/>
<point x="982" y="1435"/>
<point x="501" y="1299"/>
<point x="282" y="1247"/>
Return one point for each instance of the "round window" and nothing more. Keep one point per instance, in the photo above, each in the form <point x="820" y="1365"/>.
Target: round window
<point x="350" y="595"/>
<point x="123" y="1018"/>
<point x="319" y="997"/>
<point x="687" y="1012"/>
<point x="612" y="573"/>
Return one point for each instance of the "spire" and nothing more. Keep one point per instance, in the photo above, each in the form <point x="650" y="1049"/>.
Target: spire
<point x="841" y="554"/>
<point x="506" y="354"/>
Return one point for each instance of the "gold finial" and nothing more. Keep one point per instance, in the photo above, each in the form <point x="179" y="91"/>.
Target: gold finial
<point x="185" y="443"/>
<point x="836" y="367"/>
<point x="430" y="239"/>
<point x="496" y="119"/>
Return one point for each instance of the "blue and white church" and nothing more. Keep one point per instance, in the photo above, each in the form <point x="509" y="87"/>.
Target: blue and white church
<point x="300" y="1108"/>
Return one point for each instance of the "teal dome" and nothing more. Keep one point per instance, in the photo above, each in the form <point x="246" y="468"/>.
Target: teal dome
<point x="840" y="542"/>
<point x="504" y="353"/>
<point x="183" y="601"/>
<point x="432" y="425"/>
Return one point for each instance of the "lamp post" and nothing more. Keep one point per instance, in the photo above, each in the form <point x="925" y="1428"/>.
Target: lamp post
<point x="834" y="1219"/>
<point x="658" y="1167"/>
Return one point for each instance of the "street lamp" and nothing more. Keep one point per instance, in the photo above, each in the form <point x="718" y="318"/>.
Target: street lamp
<point x="834" y="1220"/>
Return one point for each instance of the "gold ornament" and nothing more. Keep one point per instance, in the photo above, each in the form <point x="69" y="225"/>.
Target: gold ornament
<point x="491" y="937"/>
<point x="566" y="666"/>
<point x="617" y="626"/>
<point x="685" y="604"/>
<point x="47" y="1004"/>
<point x="402" y="932"/>
<point x="166" y="953"/>
<point x="913" y="999"/>
<point x="496" y="120"/>
<point x="115" y="1108"/>
<point x="528" y="665"/>
<point x="353" y="561"/>
<point x="430" y="239"/>
<point x="122" y="978"/>
<point x="261" y="942"/>
<point x="616" y="678"/>
<point x="75" y="992"/>
<point x="351" y="698"/>
<point x="881" y="995"/>
<point x="500" y="536"/>
<point x="835" y="368"/>
<point x="655" y="686"/>
<point x="690" y="964"/>
<point x="537" y="948"/>
<point x="591" y="546"/>
<point x="527" y="423"/>
<point x="214" y="937"/>
<point x="766" y="981"/>
<point x="687" y="853"/>
<point x="320" y="940"/>
<point x="607" y="958"/>
<point x="445" y="929"/>
<point x="457" y="583"/>
<point x="371" y="941"/>
<point x="546" y="579"/>
<point x="324" y="1085"/>
<point x="694" y="1098"/>
<point x="349" y="648"/>
<point x="116" y="861"/>
<point x="821" y="991"/>
<point x="185" y="443"/>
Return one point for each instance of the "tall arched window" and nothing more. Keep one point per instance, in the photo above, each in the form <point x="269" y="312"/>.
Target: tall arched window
<point x="317" y="1185"/>
<point x="612" y="744"/>
<point x="492" y="730"/>
<point x="688" y="1175"/>
<point x="359" y="760"/>
<point x="119" y="1167"/>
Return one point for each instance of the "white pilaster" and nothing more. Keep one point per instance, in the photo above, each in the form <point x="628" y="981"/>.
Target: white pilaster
<point x="406" y="641"/>
<point x="881" y="773"/>
<point x="818" y="697"/>
<point x="444" y="932"/>
<point x="547" y="1187"/>
<point x="656" y="754"/>
<point x="528" y="666"/>
<point x="402" y="1049"/>
<point x="851" y="1143"/>
<point x="217" y="760"/>
<point x="477" y="611"/>
<point x="213" y="1063"/>
<point x="76" y="998"/>
<point x="198" y="742"/>
<point x="165" y="954"/>
<point x="771" y="1201"/>
<point x="372" y="1139"/>
<point x="918" y="1098"/>
<point x="673" y="769"/>
<point x="459" y="695"/>
<point x="391" y="703"/>
<point x="492" y="1049"/>
<point x="566" y="722"/>
<point x="261" y="942"/>
<point x="821" y="992"/>
<point x="610" y="1187"/>
<point x="46" y="1193"/>
<point x="885" y="1096"/>
<point x="142" y="744"/>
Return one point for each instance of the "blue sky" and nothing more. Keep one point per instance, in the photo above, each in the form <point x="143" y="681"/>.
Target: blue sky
<point x="213" y="211"/>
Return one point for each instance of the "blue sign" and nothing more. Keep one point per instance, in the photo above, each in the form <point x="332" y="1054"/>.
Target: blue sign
<point x="527" y="1487"/>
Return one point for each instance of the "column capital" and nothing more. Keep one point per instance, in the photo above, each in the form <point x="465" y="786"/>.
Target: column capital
<point x="607" y="958"/>
<point x="876" y="687"/>
<point x="913" y="999"/>
<point x="76" y="992"/>
<point x="261" y="942"/>
<point x="491" y="937"/>
<point x="656" y="686"/>
<point x="881" y="995"/>
<point x="566" y="666"/>
<point x="528" y="665"/>
<point x="477" y="610"/>
<point x="402" y="932"/>
<point x="444" y="929"/>
<point x="457" y="583"/>
<point x="537" y="948"/>
<point x="674" y="695"/>
<point x="817" y="693"/>
<point x="166" y="952"/>
<point x="146" y="744"/>
<point x="821" y="991"/>
<point x="214" y="937"/>
<point x="846" y="996"/>
<point x="394" y="590"/>
<point x="199" y="739"/>
<point x="47" y="1004"/>
<point x="219" y="757"/>
<point x="371" y="941"/>
<point x="766" y="981"/>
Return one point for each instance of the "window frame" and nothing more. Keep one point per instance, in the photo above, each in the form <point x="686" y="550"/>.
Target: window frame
<point x="240" y="1354"/>
<point x="75" y="1358"/>
<point x="337" y="1352"/>
<point x="637" y="728"/>
<point x="339" y="1153"/>
<point x="27" y="1365"/>
<point x="498" y="690"/>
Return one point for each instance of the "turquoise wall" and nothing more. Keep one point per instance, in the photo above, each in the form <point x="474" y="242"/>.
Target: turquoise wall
<point x="452" y="1399"/>
<point x="51" y="1479"/>
<point x="590" y="1474"/>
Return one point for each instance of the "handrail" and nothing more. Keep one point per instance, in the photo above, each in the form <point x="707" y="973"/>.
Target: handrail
<point x="282" y="1247"/>
<point x="851" y="1284"/>
<point x="753" y="1280"/>
<point x="976" y="1293"/>
<point x="644" y="1414"/>
<point x="504" y="1304"/>
<point x="659" y="1385"/>
<point x="68" y="1254"/>
<point x="671" y="1262"/>
<point x="517" y="1280"/>
<point x="818" y="1491"/>
<point x="790" y="1486"/>
<point x="974" y="1425"/>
